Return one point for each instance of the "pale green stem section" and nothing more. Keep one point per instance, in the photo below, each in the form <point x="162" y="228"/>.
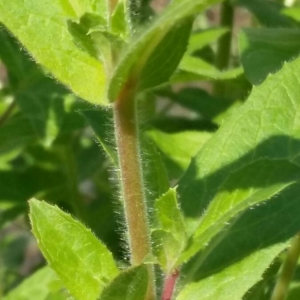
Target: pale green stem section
<point x="132" y="188"/>
<point x="288" y="270"/>
<point x="224" y="44"/>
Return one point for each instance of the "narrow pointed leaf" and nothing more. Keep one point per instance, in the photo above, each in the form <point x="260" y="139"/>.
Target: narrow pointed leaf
<point x="194" y="68"/>
<point x="170" y="232"/>
<point x="168" y="214"/>
<point x="81" y="261"/>
<point x="204" y="38"/>
<point x="101" y="121"/>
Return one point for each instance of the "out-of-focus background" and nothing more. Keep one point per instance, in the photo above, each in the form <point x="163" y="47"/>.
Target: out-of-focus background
<point x="48" y="149"/>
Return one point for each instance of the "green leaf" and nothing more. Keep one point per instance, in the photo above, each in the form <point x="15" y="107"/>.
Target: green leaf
<point x="39" y="97"/>
<point x="194" y="68"/>
<point x="264" y="132"/>
<point x="80" y="31"/>
<point x="53" y="46"/>
<point x="130" y="285"/>
<point x="82" y="262"/>
<point x="43" y="103"/>
<point x="155" y="174"/>
<point x="263" y="51"/>
<point x="42" y="285"/>
<point x="207" y="106"/>
<point x="204" y="38"/>
<point x="168" y="214"/>
<point x="16" y="134"/>
<point x="179" y="147"/>
<point x="170" y="231"/>
<point x="101" y="121"/>
<point x="268" y="224"/>
<point x="234" y="281"/>
<point x="202" y="70"/>
<point x="162" y="44"/>
<point x="20" y="185"/>
<point x="119" y="22"/>
<point x="250" y="185"/>
<point x="79" y="7"/>
<point x="19" y="67"/>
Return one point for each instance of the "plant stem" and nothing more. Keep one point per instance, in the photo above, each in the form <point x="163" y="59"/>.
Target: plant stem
<point x="224" y="43"/>
<point x="9" y="110"/>
<point x="169" y="285"/>
<point x="127" y="139"/>
<point x="288" y="269"/>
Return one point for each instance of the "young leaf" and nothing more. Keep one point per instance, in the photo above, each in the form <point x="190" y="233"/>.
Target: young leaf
<point x="169" y="216"/>
<point x="155" y="174"/>
<point x="130" y="285"/>
<point x="53" y="46"/>
<point x="80" y="31"/>
<point x="234" y="281"/>
<point x="170" y="233"/>
<point x="168" y="35"/>
<point x="82" y="262"/>
<point x="263" y="51"/>
<point x="119" y="22"/>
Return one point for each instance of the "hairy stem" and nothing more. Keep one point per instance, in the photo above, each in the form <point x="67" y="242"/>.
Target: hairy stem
<point x="224" y="43"/>
<point x="127" y="139"/>
<point x="288" y="269"/>
<point x="6" y="114"/>
<point x="169" y="285"/>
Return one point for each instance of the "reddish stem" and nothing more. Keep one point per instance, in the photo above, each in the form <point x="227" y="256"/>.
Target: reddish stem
<point x="169" y="286"/>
